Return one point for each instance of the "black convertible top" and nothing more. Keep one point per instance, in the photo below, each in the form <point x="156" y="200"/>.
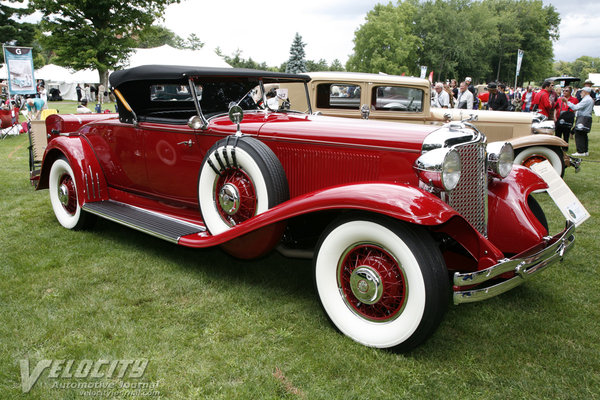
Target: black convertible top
<point x="180" y="73"/>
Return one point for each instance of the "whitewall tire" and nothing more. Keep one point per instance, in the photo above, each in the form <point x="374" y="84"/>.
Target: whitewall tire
<point x="381" y="282"/>
<point x="532" y="155"/>
<point x="63" y="197"/>
<point x="239" y="178"/>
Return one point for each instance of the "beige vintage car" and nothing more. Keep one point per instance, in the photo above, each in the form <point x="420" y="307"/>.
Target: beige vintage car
<point x="407" y="99"/>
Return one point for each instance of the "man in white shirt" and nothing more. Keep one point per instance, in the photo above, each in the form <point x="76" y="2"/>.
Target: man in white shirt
<point x="465" y="97"/>
<point x="440" y="99"/>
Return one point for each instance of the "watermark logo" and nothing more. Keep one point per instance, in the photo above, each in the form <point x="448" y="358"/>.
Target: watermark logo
<point x="98" y="377"/>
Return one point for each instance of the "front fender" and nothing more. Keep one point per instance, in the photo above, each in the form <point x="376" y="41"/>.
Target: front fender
<point x="512" y="226"/>
<point x="89" y="177"/>
<point x="538" y="140"/>
<point x="401" y="202"/>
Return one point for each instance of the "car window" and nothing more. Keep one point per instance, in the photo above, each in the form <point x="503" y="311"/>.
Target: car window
<point x="397" y="98"/>
<point x="170" y="92"/>
<point x="337" y="95"/>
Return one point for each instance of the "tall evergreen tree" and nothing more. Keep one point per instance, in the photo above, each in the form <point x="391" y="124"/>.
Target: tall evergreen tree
<point x="296" y="63"/>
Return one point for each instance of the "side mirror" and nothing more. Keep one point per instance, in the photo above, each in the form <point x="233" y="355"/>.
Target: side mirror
<point x="236" y="115"/>
<point x="365" y="111"/>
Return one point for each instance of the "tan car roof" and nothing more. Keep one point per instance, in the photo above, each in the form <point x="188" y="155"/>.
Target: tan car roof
<point x="365" y="77"/>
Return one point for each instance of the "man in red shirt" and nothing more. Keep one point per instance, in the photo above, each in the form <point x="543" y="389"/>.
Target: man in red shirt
<point x="545" y="103"/>
<point x="564" y="115"/>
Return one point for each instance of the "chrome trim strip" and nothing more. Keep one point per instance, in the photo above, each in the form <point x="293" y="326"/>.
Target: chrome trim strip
<point x="92" y="179"/>
<point x="87" y="189"/>
<point x="523" y="265"/>
<point x="98" y="184"/>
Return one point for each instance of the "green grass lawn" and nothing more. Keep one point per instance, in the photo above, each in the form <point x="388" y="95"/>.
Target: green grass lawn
<point x="212" y="326"/>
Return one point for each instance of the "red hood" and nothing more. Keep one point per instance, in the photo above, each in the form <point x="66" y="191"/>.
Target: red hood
<point x="346" y="131"/>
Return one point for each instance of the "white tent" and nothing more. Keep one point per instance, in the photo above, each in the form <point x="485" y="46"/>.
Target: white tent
<point x="65" y="80"/>
<point x="3" y="72"/>
<point x="167" y="55"/>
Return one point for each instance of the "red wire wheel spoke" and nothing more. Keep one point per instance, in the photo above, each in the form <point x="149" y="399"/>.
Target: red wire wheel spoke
<point x="533" y="160"/>
<point x="240" y="185"/>
<point x="372" y="282"/>
<point x="69" y="199"/>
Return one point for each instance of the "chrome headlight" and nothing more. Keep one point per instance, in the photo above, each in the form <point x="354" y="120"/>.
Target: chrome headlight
<point x="439" y="168"/>
<point x="500" y="158"/>
<point x="546" y="127"/>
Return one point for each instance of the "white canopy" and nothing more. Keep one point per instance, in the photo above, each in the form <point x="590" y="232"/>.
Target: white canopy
<point x="168" y="55"/>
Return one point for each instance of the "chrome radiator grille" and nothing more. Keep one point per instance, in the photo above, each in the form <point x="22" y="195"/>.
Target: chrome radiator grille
<point x="469" y="198"/>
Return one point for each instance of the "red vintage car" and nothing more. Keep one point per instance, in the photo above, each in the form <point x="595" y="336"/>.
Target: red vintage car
<point x="394" y="215"/>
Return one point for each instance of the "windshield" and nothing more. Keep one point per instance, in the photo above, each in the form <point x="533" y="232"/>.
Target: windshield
<point x="217" y="96"/>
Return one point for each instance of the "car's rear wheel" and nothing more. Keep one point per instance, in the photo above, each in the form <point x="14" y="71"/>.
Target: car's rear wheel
<point x="536" y="154"/>
<point x="383" y="283"/>
<point x="63" y="196"/>
<point x="239" y="178"/>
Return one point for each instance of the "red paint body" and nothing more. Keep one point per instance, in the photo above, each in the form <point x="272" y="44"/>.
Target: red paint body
<point x="330" y="164"/>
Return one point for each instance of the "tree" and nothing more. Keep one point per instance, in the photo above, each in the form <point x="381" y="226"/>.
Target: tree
<point x="12" y="31"/>
<point x="156" y="36"/>
<point x="237" y="61"/>
<point x="95" y="34"/>
<point x="457" y="38"/>
<point x="320" y="65"/>
<point x="296" y="63"/>
<point x="193" y="42"/>
<point x="336" y="65"/>
<point x="386" y="41"/>
<point x="581" y="68"/>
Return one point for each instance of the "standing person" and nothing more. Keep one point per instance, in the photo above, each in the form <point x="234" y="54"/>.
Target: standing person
<point x="78" y="90"/>
<point x="448" y="90"/>
<point x="454" y="87"/>
<point x="528" y="99"/>
<point x="465" y="97"/>
<point x="34" y="107"/>
<point x="93" y="91"/>
<point x="101" y="90"/>
<point x="587" y="83"/>
<point x="472" y="90"/>
<point x="497" y="100"/>
<point x="545" y="101"/>
<point x="565" y="116"/>
<point x="87" y="91"/>
<point x="583" y="121"/>
<point x="440" y="97"/>
<point x="44" y="96"/>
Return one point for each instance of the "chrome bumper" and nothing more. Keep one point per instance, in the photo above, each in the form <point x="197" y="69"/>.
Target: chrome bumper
<point x="524" y="265"/>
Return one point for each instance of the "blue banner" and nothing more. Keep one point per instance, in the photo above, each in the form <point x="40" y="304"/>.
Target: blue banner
<point x="19" y="62"/>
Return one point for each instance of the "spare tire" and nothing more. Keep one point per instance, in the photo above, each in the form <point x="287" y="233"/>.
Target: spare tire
<point x="240" y="177"/>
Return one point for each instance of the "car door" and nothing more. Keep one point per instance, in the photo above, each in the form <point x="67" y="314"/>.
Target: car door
<point x="173" y="157"/>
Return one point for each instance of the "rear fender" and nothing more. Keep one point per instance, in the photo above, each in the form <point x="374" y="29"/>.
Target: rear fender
<point x="89" y="178"/>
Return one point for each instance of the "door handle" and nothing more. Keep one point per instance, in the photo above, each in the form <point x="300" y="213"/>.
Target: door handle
<point x="187" y="143"/>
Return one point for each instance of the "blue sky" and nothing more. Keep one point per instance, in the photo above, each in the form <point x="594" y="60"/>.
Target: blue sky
<point x="265" y="30"/>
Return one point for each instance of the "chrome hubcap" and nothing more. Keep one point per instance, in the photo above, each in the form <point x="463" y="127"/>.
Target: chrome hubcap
<point x="229" y="199"/>
<point x="63" y="194"/>
<point x="366" y="285"/>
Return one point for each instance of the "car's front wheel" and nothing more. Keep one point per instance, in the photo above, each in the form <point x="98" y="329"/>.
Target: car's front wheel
<point x="381" y="282"/>
<point x="63" y="196"/>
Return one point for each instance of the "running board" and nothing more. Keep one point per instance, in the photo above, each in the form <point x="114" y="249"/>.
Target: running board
<point x="152" y="223"/>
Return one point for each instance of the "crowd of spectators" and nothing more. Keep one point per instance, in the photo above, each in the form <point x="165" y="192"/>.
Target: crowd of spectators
<point x="571" y="112"/>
